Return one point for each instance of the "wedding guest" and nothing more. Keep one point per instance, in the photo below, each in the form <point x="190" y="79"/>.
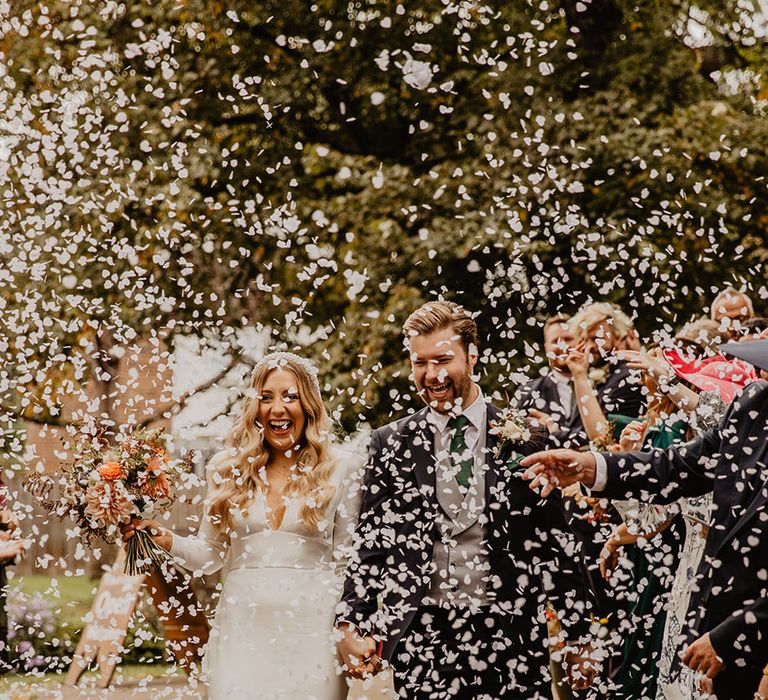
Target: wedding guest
<point x="280" y="506"/>
<point x="603" y="330"/>
<point x="728" y="611"/>
<point x="709" y="387"/>
<point x="549" y="399"/>
<point x="732" y="308"/>
<point x="455" y="563"/>
<point x="553" y="398"/>
<point x="649" y="579"/>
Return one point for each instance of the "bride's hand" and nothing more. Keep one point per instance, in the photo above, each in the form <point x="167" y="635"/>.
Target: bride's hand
<point x="160" y="535"/>
<point x="358" y="654"/>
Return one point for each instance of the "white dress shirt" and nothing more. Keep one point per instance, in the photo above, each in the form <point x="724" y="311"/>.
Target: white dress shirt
<point x="564" y="389"/>
<point x="477" y="414"/>
<point x="601" y="472"/>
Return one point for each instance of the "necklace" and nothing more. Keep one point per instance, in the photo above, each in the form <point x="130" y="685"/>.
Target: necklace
<point x="282" y="470"/>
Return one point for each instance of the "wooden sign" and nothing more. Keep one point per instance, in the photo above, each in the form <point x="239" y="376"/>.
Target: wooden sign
<point x="186" y="627"/>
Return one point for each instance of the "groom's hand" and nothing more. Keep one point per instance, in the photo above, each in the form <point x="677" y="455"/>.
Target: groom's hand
<point x="358" y="654"/>
<point x="558" y="469"/>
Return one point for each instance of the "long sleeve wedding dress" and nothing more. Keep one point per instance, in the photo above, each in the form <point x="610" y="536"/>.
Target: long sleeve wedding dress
<point x="273" y="637"/>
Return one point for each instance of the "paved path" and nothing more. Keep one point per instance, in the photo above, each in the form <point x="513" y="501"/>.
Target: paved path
<point x="144" y="688"/>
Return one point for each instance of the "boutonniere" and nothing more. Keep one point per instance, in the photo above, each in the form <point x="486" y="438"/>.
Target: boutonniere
<point x="512" y="427"/>
<point x="598" y="375"/>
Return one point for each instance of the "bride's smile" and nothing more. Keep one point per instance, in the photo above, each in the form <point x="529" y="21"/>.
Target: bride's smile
<point x="280" y="413"/>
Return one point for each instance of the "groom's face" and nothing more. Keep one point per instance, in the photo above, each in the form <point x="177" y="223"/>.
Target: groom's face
<point x="442" y="369"/>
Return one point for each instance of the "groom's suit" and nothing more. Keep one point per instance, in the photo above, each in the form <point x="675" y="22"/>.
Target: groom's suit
<point x="430" y="559"/>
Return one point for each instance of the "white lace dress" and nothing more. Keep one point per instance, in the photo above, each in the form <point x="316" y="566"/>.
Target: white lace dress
<point x="697" y="514"/>
<point x="272" y="636"/>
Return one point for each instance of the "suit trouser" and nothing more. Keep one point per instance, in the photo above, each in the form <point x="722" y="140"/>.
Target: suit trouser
<point x="451" y="653"/>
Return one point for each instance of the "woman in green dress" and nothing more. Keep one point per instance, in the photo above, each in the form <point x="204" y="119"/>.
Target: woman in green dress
<point x="651" y="565"/>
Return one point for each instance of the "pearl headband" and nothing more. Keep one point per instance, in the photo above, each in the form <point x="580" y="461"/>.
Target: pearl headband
<point x="276" y="360"/>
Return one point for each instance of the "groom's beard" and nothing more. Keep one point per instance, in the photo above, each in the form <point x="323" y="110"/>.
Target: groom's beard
<point x="458" y="387"/>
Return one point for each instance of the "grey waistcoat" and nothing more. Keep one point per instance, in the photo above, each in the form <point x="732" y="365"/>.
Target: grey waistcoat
<point x="460" y="560"/>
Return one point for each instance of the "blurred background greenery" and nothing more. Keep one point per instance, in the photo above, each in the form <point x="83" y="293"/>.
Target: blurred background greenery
<point x="319" y="169"/>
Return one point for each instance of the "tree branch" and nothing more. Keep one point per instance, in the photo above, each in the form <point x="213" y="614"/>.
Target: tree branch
<point x="173" y="407"/>
<point x="53" y="421"/>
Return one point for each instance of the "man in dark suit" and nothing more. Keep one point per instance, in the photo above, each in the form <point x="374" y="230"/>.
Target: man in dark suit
<point x="601" y="329"/>
<point x="549" y="399"/>
<point x="456" y="558"/>
<point x="728" y="614"/>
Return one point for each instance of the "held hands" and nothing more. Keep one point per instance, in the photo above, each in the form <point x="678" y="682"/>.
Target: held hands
<point x="12" y="547"/>
<point x="160" y="535"/>
<point x="558" y="469"/>
<point x="8" y="518"/>
<point x="582" y="667"/>
<point x="358" y="654"/>
<point x="12" y="550"/>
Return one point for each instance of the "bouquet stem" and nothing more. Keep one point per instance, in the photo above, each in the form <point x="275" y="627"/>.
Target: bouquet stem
<point x="142" y="554"/>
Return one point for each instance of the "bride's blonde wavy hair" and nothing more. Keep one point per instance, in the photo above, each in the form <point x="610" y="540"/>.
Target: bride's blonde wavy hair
<point x="237" y="480"/>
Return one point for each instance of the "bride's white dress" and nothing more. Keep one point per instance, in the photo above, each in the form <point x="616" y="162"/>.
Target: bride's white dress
<point x="272" y="635"/>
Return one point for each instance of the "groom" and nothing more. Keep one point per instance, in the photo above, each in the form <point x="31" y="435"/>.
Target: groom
<point x="456" y="558"/>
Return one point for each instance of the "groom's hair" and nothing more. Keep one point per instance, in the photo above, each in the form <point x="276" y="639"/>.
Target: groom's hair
<point x="436" y="316"/>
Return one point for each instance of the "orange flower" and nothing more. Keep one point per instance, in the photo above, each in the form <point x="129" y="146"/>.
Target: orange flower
<point x="160" y="452"/>
<point x="155" y="465"/>
<point x="154" y="485"/>
<point x="111" y="471"/>
<point x="108" y="504"/>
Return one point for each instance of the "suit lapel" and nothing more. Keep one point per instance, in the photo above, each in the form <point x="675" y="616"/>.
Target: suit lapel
<point x="419" y="441"/>
<point x="491" y="452"/>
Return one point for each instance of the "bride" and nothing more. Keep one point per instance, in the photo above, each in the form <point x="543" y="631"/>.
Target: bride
<point x="281" y="502"/>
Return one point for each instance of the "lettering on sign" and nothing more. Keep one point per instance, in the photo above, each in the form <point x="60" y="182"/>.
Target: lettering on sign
<point x="185" y="626"/>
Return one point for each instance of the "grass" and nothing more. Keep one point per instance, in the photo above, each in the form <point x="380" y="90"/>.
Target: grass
<point x="72" y="597"/>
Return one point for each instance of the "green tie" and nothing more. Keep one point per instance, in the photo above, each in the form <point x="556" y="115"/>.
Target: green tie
<point x="460" y="453"/>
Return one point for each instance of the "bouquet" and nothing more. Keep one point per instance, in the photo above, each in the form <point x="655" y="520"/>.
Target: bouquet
<point x="106" y="486"/>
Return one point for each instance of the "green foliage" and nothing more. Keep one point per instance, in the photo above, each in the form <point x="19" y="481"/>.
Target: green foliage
<point x="323" y="168"/>
<point x="46" y="619"/>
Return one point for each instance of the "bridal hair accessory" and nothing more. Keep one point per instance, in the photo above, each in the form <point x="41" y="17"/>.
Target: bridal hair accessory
<point x="277" y="360"/>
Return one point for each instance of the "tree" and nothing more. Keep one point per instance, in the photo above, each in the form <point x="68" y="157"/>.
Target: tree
<point x="320" y="169"/>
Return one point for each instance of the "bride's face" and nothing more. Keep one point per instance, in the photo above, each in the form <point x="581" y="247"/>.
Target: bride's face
<point x="280" y="412"/>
